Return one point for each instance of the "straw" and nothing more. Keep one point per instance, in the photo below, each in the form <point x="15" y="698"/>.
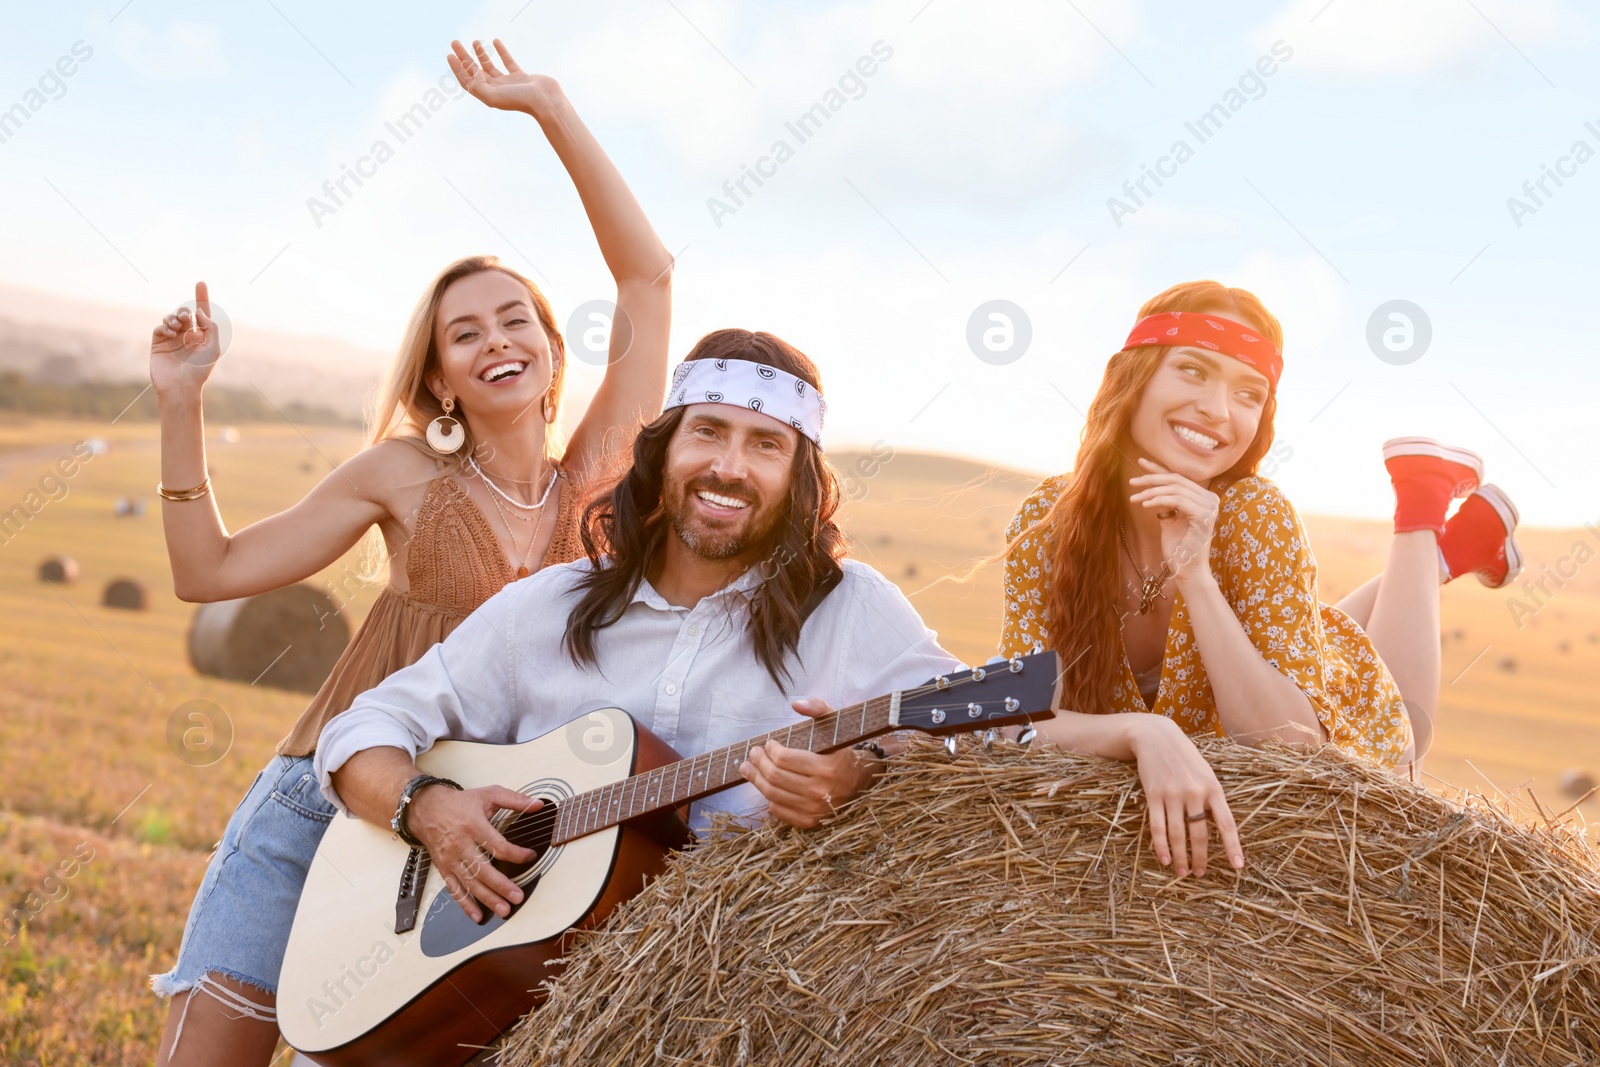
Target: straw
<point x="1003" y="907"/>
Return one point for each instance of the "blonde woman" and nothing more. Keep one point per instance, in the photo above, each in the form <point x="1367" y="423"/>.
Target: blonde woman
<point x="466" y="480"/>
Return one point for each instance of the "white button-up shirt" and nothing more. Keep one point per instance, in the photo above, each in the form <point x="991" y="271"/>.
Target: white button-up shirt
<point x="690" y="675"/>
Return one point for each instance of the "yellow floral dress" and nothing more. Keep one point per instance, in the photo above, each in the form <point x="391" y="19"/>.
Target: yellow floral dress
<point x="1263" y="563"/>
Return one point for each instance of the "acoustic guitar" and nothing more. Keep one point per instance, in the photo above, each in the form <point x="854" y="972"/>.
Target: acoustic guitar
<point x="384" y="967"/>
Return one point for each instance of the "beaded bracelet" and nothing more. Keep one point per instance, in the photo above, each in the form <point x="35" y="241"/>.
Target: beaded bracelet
<point x="398" y="823"/>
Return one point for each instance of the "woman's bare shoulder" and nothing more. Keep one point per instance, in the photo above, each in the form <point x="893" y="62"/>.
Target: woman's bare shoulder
<point x="391" y="468"/>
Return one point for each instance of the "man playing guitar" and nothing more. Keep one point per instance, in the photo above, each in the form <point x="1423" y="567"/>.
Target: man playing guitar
<point x="716" y="585"/>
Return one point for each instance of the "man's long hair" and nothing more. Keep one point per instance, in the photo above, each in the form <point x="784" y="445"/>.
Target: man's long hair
<point x="623" y="529"/>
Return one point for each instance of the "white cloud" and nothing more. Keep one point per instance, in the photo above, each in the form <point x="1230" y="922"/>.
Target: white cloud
<point x="962" y="110"/>
<point x="1384" y="41"/>
<point x="182" y="52"/>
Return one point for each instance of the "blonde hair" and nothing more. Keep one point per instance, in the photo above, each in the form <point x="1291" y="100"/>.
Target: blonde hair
<point x="403" y="406"/>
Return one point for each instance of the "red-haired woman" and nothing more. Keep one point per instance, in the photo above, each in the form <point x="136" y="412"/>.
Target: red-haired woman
<point x="1173" y="579"/>
<point x="467" y="480"/>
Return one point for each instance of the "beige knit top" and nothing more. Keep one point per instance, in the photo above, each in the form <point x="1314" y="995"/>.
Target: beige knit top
<point x="455" y="563"/>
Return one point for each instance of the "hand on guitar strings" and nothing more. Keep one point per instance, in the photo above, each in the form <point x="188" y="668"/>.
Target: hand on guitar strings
<point x="463" y="843"/>
<point x="802" y="788"/>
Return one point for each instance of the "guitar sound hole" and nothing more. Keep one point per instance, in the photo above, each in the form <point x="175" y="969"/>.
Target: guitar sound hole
<point x="447" y="929"/>
<point x="529" y="829"/>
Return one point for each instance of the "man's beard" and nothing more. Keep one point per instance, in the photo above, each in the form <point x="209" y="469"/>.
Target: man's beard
<point x="719" y="544"/>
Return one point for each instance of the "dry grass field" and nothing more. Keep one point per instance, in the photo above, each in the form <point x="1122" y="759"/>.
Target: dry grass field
<point x="104" y="830"/>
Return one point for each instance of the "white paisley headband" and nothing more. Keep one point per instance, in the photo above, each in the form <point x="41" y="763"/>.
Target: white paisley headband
<point x="756" y="386"/>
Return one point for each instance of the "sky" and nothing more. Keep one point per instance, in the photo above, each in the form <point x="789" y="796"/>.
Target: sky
<point x="1359" y="153"/>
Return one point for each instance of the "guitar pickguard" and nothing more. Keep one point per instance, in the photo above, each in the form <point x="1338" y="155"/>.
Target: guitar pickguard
<point x="446" y="928"/>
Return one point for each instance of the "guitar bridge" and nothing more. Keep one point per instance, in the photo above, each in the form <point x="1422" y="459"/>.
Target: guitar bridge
<point x="413" y="876"/>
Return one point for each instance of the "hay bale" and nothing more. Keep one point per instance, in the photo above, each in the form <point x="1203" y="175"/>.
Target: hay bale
<point x="129" y="594"/>
<point x="288" y="638"/>
<point x="58" y="569"/>
<point x="1577" y="783"/>
<point x="1004" y="907"/>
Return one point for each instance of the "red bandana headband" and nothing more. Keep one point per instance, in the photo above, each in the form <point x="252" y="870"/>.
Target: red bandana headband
<point x="1211" y="332"/>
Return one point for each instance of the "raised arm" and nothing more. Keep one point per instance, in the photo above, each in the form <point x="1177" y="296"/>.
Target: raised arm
<point x="207" y="562"/>
<point x="636" y="375"/>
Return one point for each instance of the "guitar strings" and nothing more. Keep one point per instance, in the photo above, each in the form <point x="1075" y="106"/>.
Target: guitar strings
<point x="534" y="828"/>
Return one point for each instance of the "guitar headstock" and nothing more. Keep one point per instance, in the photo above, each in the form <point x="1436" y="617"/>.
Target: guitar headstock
<point x="1001" y="693"/>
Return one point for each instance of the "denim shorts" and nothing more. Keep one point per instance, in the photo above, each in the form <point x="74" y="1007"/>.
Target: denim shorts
<point x="239" y="923"/>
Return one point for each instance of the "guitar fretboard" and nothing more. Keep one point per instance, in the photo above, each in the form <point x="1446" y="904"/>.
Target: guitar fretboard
<point x="690" y="779"/>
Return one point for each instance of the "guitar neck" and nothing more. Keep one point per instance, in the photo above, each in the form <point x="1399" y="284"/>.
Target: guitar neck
<point x="690" y="779"/>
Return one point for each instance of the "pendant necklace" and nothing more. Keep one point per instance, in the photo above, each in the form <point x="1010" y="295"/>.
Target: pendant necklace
<point x="533" y="535"/>
<point x="1149" y="585"/>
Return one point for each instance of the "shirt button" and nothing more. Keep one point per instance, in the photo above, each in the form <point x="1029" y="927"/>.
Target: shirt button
<point x="671" y="689"/>
<point x="694" y="630"/>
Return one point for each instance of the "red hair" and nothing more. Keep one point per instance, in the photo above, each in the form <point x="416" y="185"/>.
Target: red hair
<point x="1081" y="527"/>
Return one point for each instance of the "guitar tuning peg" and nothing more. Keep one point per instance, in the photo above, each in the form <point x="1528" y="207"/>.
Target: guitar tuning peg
<point x="988" y="737"/>
<point x="950" y="745"/>
<point x="992" y="660"/>
<point x="1027" y="735"/>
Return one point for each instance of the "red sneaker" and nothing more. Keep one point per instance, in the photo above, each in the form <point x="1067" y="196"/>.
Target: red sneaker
<point x="1478" y="538"/>
<point x="1426" y="477"/>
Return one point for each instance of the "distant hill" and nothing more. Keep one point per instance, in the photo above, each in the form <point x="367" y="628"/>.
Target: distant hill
<point x="56" y="340"/>
<point x="135" y="401"/>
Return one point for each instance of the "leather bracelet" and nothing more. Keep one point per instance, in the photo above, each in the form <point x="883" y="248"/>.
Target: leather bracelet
<point x="184" y="494"/>
<point x="872" y="747"/>
<point x="398" y="823"/>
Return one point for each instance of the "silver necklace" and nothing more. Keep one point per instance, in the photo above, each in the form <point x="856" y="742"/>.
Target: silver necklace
<point x="508" y="498"/>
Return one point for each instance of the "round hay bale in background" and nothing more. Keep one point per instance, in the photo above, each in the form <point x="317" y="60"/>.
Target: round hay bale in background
<point x="288" y="638"/>
<point x="129" y="594"/>
<point x="59" y="569"/>
<point x="1004" y="907"/>
<point x="1577" y="782"/>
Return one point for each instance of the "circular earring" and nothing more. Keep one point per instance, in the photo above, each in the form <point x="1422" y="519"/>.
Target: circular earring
<point x="445" y="434"/>
<point x="547" y="406"/>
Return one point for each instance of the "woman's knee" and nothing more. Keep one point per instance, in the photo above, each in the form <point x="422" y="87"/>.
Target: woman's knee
<point x="222" y="1018"/>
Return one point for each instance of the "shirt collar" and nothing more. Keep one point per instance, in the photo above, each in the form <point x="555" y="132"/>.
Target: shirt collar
<point x="646" y="593"/>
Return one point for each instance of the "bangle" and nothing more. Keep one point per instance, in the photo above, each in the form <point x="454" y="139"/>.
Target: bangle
<point x="184" y="494"/>
<point x="398" y="823"/>
<point x="872" y="747"/>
